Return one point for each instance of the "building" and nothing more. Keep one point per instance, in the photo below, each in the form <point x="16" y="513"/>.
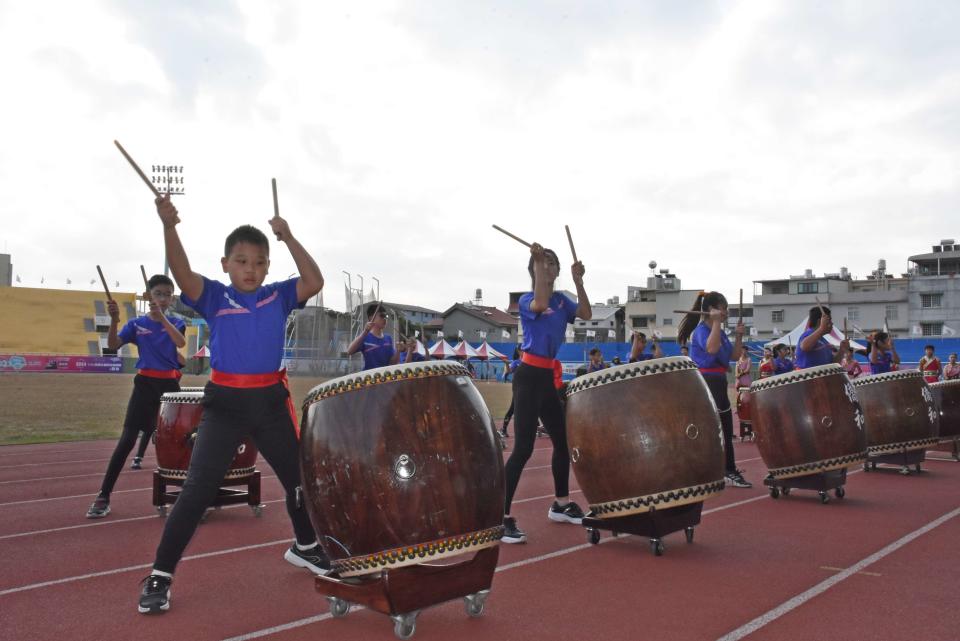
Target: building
<point x="404" y="319"/>
<point x="934" y="291"/>
<point x="476" y="322"/>
<point x="650" y="309"/>
<point x="868" y="305"/>
<point x="605" y="326"/>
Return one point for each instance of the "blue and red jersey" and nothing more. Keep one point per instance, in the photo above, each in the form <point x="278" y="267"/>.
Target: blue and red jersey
<point x="155" y="347"/>
<point x="545" y="332"/>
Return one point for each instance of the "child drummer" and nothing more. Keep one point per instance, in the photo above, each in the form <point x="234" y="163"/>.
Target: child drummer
<point x="376" y="346"/>
<point x="157" y="338"/>
<point x="246" y="395"/>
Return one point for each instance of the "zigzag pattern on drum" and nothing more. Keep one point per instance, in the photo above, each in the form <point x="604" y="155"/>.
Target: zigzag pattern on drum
<point x="350" y="384"/>
<point x="626" y="372"/>
<point x="662" y="499"/>
<point x="945" y="383"/>
<point x="186" y="396"/>
<point x="887" y="376"/>
<point x="820" y="466"/>
<point x="415" y="553"/>
<point x="231" y="474"/>
<point x="795" y="377"/>
<point x="917" y="444"/>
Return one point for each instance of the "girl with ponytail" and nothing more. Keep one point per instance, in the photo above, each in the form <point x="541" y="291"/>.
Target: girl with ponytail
<point x="712" y="351"/>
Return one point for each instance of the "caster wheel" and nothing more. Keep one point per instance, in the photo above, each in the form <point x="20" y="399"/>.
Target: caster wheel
<point x="917" y="468"/>
<point x="824" y="498"/>
<point x="840" y="492"/>
<point x="257" y="510"/>
<point x="905" y="471"/>
<point x="785" y="491"/>
<point x="689" y="534"/>
<point x="474" y="603"/>
<point x="656" y="546"/>
<point x="404" y="625"/>
<point x="866" y="467"/>
<point x="774" y="493"/>
<point x="338" y="607"/>
<point x="873" y="466"/>
<point x="593" y="536"/>
<point x="162" y="510"/>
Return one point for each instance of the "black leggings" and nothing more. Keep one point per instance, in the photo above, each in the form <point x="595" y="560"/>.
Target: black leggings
<point x="717" y="383"/>
<point x="534" y="396"/>
<point x="508" y="415"/>
<point x="230" y="414"/>
<point x="141" y="417"/>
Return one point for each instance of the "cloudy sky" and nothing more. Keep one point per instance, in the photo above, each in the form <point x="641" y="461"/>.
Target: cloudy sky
<point x="728" y="141"/>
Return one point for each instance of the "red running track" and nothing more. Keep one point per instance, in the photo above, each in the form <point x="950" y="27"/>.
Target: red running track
<point x="877" y="565"/>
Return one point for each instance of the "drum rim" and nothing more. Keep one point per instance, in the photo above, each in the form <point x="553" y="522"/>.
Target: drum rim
<point x="181" y="397"/>
<point x="860" y="381"/>
<point x="796" y="376"/>
<point x="659" y="500"/>
<point x="631" y="370"/>
<point x="941" y="384"/>
<point x="379" y="375"/>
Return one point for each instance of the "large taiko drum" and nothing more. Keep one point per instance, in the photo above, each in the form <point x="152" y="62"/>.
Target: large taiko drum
<point x="946" y="396"/>
<point x="644" y="436"/>
<point x="400" y="466"/>
<point x="177" y="427"/>
<point x="808" y="421"/>
<point x="899" y="411"/>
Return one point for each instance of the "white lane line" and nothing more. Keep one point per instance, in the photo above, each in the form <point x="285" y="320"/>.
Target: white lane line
<point x="792" y="604"/>
<point x="51" y="478"/>
<point x="89" y="494"/>
<point x="114" y="522"/>
<point x="144" y="566"/>
<point x="284" y="627"/>
<point x="54" y="463"/>
<point x="44" y="452"/>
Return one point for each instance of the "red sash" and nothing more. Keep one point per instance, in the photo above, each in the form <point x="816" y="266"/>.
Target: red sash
<point x="247" y="381"/>
<point x="537" y="361"/>
<point x="160" y="373"/>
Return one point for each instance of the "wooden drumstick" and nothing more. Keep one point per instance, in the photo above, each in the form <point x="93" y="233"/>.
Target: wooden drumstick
<point x="146" y="283"/>
<point x="741" y="304"/>
<point x="276" y="206"/>
<point x="137" y="169"/>
<point x="690" y="311"/>
<point x="570" y="240"/>
<point x="516" y="238"/>
<point x="104" y="281"/>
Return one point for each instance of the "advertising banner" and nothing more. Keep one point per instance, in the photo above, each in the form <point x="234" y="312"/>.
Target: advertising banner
<point x="54" y="363"/>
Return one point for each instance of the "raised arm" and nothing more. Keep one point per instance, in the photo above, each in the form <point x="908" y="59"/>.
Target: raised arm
<point x="809" y="343"/>
<point x="189" y="282"/>
<point x="311" y="280"/>
<point x="174" y="333"/>
<point x="541" y="284"/>
<point x="716" y="330"/>
<point x="358" y="341"/>
<point x="113" y="340"/>
<point x="584" y="311"/>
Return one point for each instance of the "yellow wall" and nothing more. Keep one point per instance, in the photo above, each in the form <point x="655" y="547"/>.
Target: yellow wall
<point x="51" y="321"/>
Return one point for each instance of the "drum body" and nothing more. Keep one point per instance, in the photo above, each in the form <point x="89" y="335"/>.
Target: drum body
<point x="744" y="405"/>
<point x="899" y="411"/>
<point x="808" y="421"/>
<point x="644" y="436"/>
<point x="946" y="396"/>
<point x="177" y="426"/>
<point x="400" y="465"/>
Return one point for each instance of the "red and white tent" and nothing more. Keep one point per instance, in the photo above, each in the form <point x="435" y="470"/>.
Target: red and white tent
<point x="485" y="352"/>
<point x="442" y="349"/>
<point x="203" y="352"/>
<point x="463" y="350"/>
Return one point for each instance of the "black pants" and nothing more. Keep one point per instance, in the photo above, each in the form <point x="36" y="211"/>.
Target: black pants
<point x="141" y="416"/>
<point x="534" y="396"/>
<point x="508" y="415"/>
<point x="230" y="414"/>
<point x="717" y="383"/>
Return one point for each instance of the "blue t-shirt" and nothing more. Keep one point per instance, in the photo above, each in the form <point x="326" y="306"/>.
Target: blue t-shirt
<point x="822" y="354"/>
<point x="246" y="330"/>
<point x="782" y="365"/>
<point x="883" y="365"/>
<point x="642" y="356"/>
<point x="595" y="368"/>
<point x="156" y="349"/>
<point x="544" y="332"/>
<point x="417" y="357"/>
<point x="703" y="358"/>
<point x="377" y="352"/>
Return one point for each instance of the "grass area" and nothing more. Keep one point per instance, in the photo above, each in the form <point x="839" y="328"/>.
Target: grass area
<point x="47" y="407"/>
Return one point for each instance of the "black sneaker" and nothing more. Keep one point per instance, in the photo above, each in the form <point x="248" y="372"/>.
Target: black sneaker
<point x="569" y="513"/>
<point x="503" y="433"/>
<point x="511" y="533"/>
<point x="155" y="596"/>
<point x="136" y="465"/>
<point x="313" y="559"/>
<point x="99" y="509"/>
<point x="735" y="478"/>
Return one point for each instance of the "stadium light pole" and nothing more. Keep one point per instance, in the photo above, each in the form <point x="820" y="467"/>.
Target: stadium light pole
<point x="167" y="179"/>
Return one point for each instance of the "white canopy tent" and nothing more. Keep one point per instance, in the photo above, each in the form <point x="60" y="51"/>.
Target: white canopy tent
<point x="793" y="338"/>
